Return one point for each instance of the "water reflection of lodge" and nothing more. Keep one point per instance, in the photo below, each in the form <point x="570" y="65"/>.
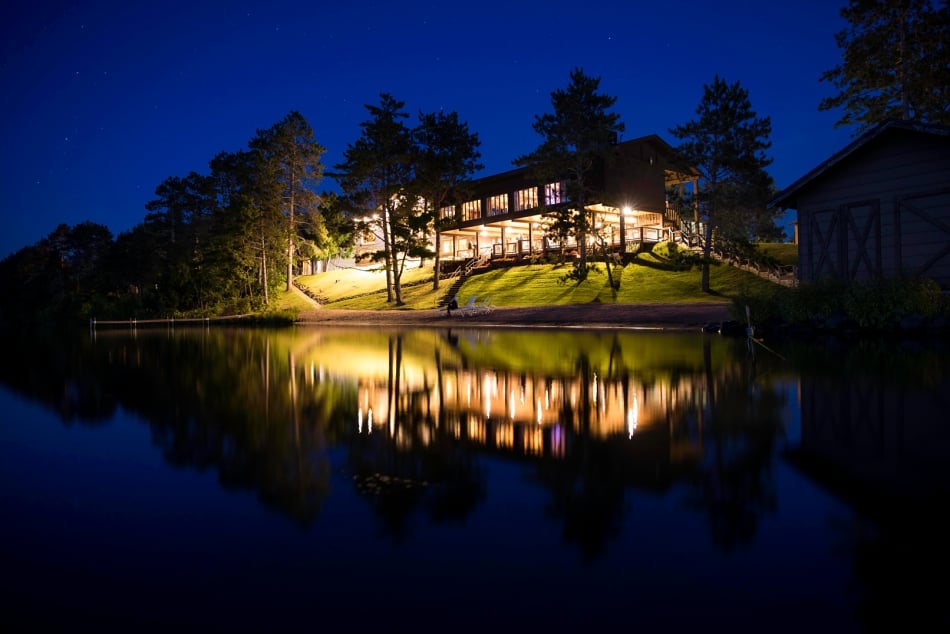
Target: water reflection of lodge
<point x="530" y="415"/>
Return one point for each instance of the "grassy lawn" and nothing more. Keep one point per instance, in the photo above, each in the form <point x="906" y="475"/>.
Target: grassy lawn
<point x="651" y="278"/>
<point x="784" y="252"/>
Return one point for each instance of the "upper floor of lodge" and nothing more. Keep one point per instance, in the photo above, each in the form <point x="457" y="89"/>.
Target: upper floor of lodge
<point x="634" y="177"/>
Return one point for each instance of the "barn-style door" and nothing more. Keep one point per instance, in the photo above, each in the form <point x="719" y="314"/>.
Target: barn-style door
<point x="923" y="235"/>
<point x="845" y="243"/>
<point x="862" y="248"/>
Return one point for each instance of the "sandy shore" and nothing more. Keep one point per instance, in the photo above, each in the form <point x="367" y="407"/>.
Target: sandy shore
<point x="633" y="316"/>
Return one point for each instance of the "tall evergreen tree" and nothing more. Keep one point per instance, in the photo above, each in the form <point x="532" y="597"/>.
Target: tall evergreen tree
<point x="328" y="230"/>
<point x="178" y="224"/>
<point x="577" y="137"/>
<point x="375" y="175"/>
<point x="290" y="156"/>
<point x="250" y="231"/>
<point x="446" y="156"/>
<point x="895" y="63"/>
<point x="727" y="144"/>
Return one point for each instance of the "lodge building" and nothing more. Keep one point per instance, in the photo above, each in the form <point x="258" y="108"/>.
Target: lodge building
<point x="507" y="214"/>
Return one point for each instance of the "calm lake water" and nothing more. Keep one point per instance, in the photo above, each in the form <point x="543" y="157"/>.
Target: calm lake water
<point x="471" y="479"/>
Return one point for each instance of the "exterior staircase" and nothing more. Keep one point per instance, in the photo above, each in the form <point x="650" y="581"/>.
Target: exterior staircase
<point x="459" y="275"/>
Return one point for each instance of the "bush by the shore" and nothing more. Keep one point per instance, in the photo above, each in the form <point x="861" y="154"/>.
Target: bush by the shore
<point x="873" y="308"/>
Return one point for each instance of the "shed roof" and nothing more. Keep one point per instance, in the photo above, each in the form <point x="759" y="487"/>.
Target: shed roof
<point x="788" y="197"/>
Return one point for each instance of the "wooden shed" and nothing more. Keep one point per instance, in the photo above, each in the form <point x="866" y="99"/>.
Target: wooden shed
<point x="878" y="209"/>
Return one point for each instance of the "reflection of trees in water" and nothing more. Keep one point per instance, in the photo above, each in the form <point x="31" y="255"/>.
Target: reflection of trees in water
<point x="217" y="399"/>
<point x="441" y="477"/>
<point x="734" y="484"/>
<point x="56" y="371"/>
<point x="586" y="492"/>
<point x="587" y="495"/>
<point x="257" y="407"/>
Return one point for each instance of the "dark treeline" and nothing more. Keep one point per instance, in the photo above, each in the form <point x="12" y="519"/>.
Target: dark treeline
<point x="212" y="243"/>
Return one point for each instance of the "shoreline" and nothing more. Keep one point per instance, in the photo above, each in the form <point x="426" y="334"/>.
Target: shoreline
<point x="693" y="316"/>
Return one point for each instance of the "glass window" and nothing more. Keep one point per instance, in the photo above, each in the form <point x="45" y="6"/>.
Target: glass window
<point x="526" y="199"/>
<point x="498" y="205"/>
<point x="471" y="210"/>
<point x="553" y="194"/>
<point x="448" y="212"/>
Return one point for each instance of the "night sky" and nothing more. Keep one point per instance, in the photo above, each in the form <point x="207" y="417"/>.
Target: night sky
<point x="101" y="101"/>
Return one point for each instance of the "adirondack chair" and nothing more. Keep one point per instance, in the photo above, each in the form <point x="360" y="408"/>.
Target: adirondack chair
<point x="467" y="309"/>
<point x="482" y="308"/>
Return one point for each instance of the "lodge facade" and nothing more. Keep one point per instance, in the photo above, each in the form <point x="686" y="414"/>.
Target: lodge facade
<point x="508" y="214"/>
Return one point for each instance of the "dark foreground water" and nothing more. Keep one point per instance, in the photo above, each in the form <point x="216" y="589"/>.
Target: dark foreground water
<point x="471" y="480"/>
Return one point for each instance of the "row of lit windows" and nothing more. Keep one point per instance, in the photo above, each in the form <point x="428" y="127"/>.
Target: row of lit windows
<point x="523" y="199"/>
<point x="526" y="199"/>
<point x="471" y="210"/>
<point x="498" y="205"/>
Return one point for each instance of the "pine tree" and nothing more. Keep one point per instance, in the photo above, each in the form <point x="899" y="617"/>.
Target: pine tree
<point x="446" y="156"/>
<point x="374" y="175"/>
<point x="727" y="144"/>
<point x="290" y="156"/>
<point x="895" y="63"/>
<point x="577" y="136"/>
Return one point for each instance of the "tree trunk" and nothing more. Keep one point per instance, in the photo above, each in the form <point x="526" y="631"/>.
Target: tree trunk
<point x="398" y="267"/>
<point x="707" y="254"/>
<point x="388" y="252"/>
<point x="264" y="270"/>
<point x="436" y="273"/>
<point x="290" y="240"/>
<point x="608" y="255"/>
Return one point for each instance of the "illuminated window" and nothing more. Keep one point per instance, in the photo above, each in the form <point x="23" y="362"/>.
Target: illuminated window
<point x="471" y="210"/>
<point x="526" y="199"/>
<point x="448" y="212"/>
<point x="553" y="194"/>
<point x="498" y="205"/>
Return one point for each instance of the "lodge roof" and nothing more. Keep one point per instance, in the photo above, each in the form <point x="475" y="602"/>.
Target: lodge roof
<point x="650" y="139"/>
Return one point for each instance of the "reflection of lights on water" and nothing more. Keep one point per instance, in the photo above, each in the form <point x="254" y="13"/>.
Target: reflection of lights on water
<point x="369" y="420"/>
<point x="613" y="407"/>
<point x="557" y="441"/>
<point x="632" y="417"/>
<point x="534" y="440"/>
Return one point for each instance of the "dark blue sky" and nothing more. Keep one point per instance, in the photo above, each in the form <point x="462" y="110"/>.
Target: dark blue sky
<point x="100" y="101"/>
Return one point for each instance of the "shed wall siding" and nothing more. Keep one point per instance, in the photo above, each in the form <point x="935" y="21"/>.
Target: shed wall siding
<point x="885" y="211"/>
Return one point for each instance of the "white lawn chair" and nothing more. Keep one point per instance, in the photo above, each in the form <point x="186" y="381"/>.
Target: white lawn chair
<point x="483" y="308"/>
<point x="467" y="309"/>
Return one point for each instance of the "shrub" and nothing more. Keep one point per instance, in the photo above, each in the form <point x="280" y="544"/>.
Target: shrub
<point x="873" y="306"/>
